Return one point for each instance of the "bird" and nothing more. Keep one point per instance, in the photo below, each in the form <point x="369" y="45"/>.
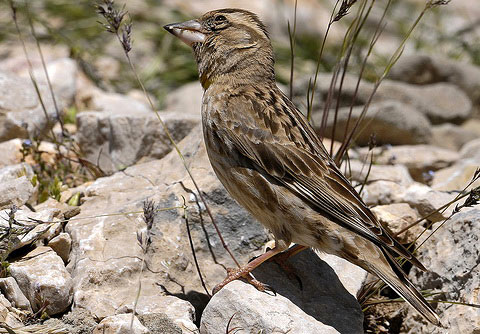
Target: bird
<point x="273" y="163"/>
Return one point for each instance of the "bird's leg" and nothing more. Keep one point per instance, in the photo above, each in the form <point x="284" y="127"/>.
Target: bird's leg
<point x="233" y="274"/>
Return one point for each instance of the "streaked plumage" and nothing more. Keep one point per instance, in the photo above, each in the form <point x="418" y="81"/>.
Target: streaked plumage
<point x="270" y="159"/>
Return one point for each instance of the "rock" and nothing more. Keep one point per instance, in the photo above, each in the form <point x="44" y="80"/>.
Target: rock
<point x="21" y="113"/>
<point x="397" y="216"/>
<point x="120" y="324"/>
<point x="316" y="302"/>
<point x="391" y="122"/>
<point x="13" y="293"/>
<point x="472" y="126"/>
<point x="391" y="173"/>
<point x="94" y="99"/>
<point x="381" y="192"/>
<point x="419" y="159"/>
<point x="471" y="150"/>
<point x="8" y="314"/>
<point x="440" y="102"/>
<point x="427" y="69"/>
<point x="43" y="279"/>
<point x="30" y="228"/>
<point x="61" y="244"/>
<point x="452" y="257"/>
<point x="457" y="176"/>
<point x="103" y="272"/>
<point x="177" y="101"/>
<point x="63" y="76"/>
<point x="16" y="192"/>
<point x="426" y="201"/>
<point x="451" y="136"/>
<point x="11" y="154"/>
<point x="159" y="323"/>
<point x="120" y="137"/>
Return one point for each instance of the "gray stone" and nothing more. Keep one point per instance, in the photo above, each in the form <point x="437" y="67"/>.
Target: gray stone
<point x="440" y="102"/>
<point x="29" y="228"/>
<point x="426" y="69"/>
<point x="419" y="159"/>
<point x="13" y="293"/>
<point x="96" y="261"/>
<point x="15" y="192"/>
<point x="187" y="99"/>
<point x="61" y="244"/>
<point x="392" y="122"/>
<point x="121" y="324"/>
<point x="15" y="185"/>
<point x="382" y="192"/>
<point x="471" y="150"/>
<point x="453" y="259"/>
<point x="8" y="314"/>
<point x="451" y="136"/>
<point x="118" y="138"/>
<point x="314" y="301"/>
<point x="398" y="216"/>
<point x="426" y="201"/>
<point x="11" y="152"/>
<point x="392" y="173"/>
<point x="21" y="113"/>
<point x="43" y="279"/>
<point x="457" y="176"/>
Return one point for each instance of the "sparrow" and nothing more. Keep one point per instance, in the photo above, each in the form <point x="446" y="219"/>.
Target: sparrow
<point x="271" y="161"/>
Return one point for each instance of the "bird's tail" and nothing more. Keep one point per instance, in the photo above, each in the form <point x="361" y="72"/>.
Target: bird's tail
<point x="398" y="281"/>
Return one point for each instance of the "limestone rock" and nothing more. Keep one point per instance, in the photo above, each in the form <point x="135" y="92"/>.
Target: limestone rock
<point x="452" y="257"/>
<point x="426" y="69"/>
<point x="426" y="200"/>
<point x="20" y="110"/>
<point x="159" y="323"/>
<point x="451" y="136"/>
<point x="13" y="293"/>
<point x="118" y="138"/>
<point x="457" y="176"/>
<point x="391" y="173"/>
<point x="11" y="152"/>
<point x="15" y="185"/>
<point x="8" y="314"/>
<point x="419" y="159"/>
<point x="96" y="261"/>
<point x="471" y="149"/>
<point x="398" y="216"/>
<point x="61" y="244"/>
<point x="185" y="100"/>
<point x="120" y="324"/>
<point x="28" y="228"/>
<point x="440" y="102"/>
<point x="392" y="122"/>
<point x="316" y="302"/>
<point x="42" y="277"/>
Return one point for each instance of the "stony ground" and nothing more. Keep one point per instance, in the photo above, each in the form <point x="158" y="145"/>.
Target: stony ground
<point x="95" y="224"/>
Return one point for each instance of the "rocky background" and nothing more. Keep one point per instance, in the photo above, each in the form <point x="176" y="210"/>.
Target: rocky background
<point x="96" y="210"/>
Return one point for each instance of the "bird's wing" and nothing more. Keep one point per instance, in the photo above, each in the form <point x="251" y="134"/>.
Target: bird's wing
<point x="277" y="140"/>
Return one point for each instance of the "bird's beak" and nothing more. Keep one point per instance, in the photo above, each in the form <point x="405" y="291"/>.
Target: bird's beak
<point x="189" y="32"/>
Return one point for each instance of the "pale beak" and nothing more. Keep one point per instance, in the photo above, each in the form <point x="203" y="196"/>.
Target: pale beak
<point x="189" y="32"/>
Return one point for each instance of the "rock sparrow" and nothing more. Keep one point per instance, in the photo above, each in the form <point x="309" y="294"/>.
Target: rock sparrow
<point x="272" y="162"/>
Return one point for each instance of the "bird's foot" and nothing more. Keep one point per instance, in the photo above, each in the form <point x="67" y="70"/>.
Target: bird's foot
<point x="281" y="260"/>
<point x="244" y="272"/>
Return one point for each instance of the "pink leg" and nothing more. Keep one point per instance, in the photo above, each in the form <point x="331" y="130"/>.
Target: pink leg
<point x="234" y="274"/>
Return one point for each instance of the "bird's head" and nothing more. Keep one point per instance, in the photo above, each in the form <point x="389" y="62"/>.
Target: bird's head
<point x="231" y="46"/>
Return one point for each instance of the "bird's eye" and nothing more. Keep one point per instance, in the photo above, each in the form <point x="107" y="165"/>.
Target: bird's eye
<point x="220" y="18"/>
